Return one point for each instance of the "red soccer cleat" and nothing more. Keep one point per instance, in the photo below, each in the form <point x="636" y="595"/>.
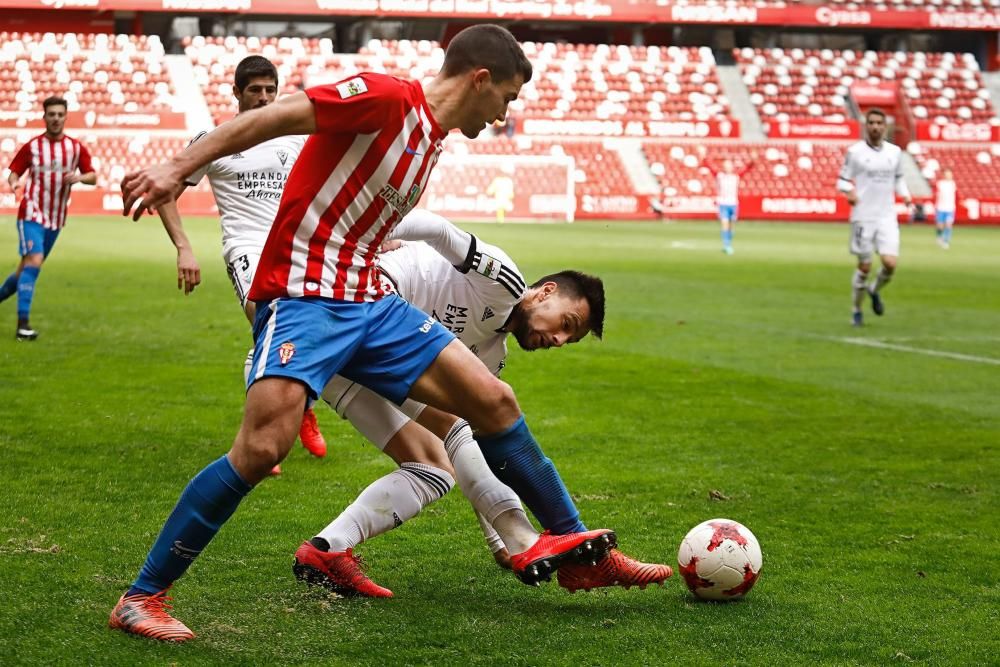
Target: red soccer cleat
<point x="552" y="551"/>
<point x="276" y="470"/>
<point x="310" y="435"/>
<point x="338" y="571"/>
<point x="146" y="615"/>
<point x="615" y="570"/>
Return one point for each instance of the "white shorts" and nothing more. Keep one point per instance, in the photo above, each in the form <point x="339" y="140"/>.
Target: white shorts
<point x="874" y="237"/>
<point x="241" y="265"/>
<point x="376" y="418"/>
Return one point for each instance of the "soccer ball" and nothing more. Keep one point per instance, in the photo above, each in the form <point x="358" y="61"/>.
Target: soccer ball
<point x="720" y="560"/>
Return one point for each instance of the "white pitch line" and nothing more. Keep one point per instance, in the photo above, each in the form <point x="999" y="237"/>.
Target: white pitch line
<point x="865" y="342"/>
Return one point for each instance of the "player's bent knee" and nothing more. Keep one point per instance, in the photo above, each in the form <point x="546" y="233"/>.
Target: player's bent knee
<point x="496" y="407"/>
<point x="34" y="259"/>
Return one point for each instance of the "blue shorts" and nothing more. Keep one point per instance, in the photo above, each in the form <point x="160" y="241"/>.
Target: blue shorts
<point x="945" y="217"/>
<point x="384" y="345"/>
<point x="727" y="212"/>
<point x="33" y="238"/>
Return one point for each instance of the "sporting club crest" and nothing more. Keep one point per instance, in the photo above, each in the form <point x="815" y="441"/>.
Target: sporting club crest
<point x="285" y="352"/>
<point x="282" y="157"/>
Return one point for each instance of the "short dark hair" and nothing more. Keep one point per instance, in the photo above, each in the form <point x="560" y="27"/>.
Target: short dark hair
<point x="875" y="111"/>
<point x="576" y="285"/>
<point x="53" y="101"/>
<point x="253" y="67"/>
<point x="486" y="46"/>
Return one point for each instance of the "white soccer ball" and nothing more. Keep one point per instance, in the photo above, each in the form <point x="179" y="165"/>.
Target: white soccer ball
<point x="720" y="559"/>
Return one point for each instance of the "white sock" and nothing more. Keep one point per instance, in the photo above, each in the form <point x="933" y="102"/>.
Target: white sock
<point x="493" y="500"/>
<point x="386" y="504"/>
<point x="858" y="285"/>
<point x="881" y="280"/>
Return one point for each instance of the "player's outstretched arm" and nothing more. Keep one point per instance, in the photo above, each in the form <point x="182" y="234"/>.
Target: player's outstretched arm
<point x="188" y="271"/>
<point x="439" y="233"/>
<point x="152" y="187"/>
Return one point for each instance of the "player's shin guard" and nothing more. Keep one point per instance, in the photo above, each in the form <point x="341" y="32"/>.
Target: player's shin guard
<point x="490" y="497"/>
<point x="386" y="503"/>
<point x="9" y="287"/>
<point x="207" y="502"/>
<point x="26" y="290"/>
<point x="518" y="461"/>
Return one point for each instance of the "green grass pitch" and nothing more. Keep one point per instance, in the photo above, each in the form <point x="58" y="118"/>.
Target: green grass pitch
<point x="865" y="461"/>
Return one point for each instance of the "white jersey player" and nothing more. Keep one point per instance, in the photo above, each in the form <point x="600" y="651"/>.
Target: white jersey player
<point x="477" y="292"/>
<point x="871" y="178"/>
<point x="247" y="187"/>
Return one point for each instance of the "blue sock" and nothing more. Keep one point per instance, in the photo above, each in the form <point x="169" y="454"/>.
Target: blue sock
<point x="207" y="502"/>
<point x="727" y="237"/>
<point x="518" y="461"/>
<point x="947" y="234"/>
<point x="26" y="290"/>
<point x="9" y="286"/>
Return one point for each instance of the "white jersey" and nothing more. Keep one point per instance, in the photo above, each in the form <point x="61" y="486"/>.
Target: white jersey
<point x="474" y="305"/>
<point x="728" y="189"/>
<point x="877" y="175"/>
<point x="248" y="187"/>
<point x="945" y="196"/>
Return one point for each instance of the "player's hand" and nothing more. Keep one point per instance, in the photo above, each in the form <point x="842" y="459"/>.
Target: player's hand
<point x="71" y="177"/>
<point x="149" y="188"/>
<point x="852" y="197"/>
<point x="188" y="271"/>
<point x="390" y="245"/>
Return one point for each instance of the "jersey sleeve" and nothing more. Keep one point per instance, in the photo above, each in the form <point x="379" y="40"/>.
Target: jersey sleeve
<point x="357" y="104"/>
<point x="195" y="178"/>
<point x="85" y="165"/>
<point x="845" y="181"/>
<point x="22" y="160"/>
<point x="494" y="275"/>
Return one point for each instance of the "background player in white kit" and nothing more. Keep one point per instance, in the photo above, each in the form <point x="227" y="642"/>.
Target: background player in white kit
<point x="945" y="196"/>
<point x="477" y="292"/>
<point x="247" y="188"/>
<point x="727" y="184"/>
<point x="871" y="177"/>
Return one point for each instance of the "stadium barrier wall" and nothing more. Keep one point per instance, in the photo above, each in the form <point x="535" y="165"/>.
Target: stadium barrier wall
<point x="94" y="201"/>
<point x="93" y="120"/>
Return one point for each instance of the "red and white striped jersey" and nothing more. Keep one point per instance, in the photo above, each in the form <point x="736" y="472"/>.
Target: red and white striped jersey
<point x="364" y="169"/>
<point x="49" y="162"/>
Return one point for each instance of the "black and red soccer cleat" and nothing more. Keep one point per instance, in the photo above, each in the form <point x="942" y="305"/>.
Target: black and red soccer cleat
<point x="551" y="552"/>
<point x="337" y="571"/>
<point x="146" y="615"/>
<point x="616" y="569"/>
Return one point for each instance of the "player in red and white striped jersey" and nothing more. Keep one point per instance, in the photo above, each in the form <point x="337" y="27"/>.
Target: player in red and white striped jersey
<point x="321" y="307"/>
<point x="53" y="162"/>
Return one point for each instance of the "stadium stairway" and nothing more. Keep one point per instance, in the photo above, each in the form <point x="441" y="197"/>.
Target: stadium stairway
<point x="740" y="105"/>
<point x="992" y="81"/>
<point x="915" y="181"/>
<point x="636" y="166"/>
<point x="197" y="115"/>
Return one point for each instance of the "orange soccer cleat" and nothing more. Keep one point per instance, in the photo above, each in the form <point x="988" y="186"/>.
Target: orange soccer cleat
<point x="615" y="570"/>
<point x="310" y="435"/>
<point x="552" y="551"/>
<point x="338" y="571"/>
<point x="145" y="614"/>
